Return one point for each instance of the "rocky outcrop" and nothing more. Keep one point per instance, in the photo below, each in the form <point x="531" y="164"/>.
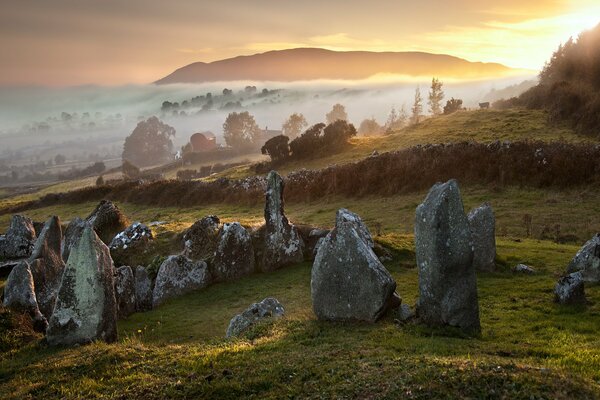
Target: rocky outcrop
<point x="234" y="256"/>
<point x="200" y="240"/>
<point x="282" y="243"/>
<point x="444" y="250"/>
<point x="72" y="235"/>
<point x="587" y="261"/>
<point x="570" y="289"/>
<point x="131" y="245"/>
<point x="268" y="308"/>
<point x="86" y="308"/>
<point x="107" y="220"/>
<point x="125" y="291"/>
<point x="19" y="240"/>
<point x="348" y="282"/>
<point x="179" y="275"/>
<point x="143" y="289"/>
<point x="47" y="265"/>
<point x="19" y="295"/>
<point x="483" y="231"/>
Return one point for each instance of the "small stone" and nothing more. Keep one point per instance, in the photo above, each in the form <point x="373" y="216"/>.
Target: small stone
<point x="587" y="261"/>
<point x="570" y="289"/>
<point x="405" y="312"/>
<point x="178" y="275"/>
<point x="523" y="269"/>
<point x="268" y="308"/>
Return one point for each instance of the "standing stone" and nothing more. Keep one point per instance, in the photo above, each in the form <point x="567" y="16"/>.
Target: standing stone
<point x="347" y="216"/>
<point x="348" y="282"/>
<point x="444" y="250"/>
<point x="483" y="231"/>
<point x="587" y="261"/>
<point x="570" y="289"/>
<point x="19" y="240"/>
<point x="72" y="235"/>
<point x="125" y="291"/>
<point x="283" y="245"/>
<point x="200" y="240"/>
<point x="143" y="289"/>
<point x="131" y="245"/>
<point x="19" y="295"/>
<point x="268" y="308"/>
<point x="86" y="308"/>
<point x="178" y="275"/>
<point x="234" y="257"/>
<point x="47" y="265"/>
<point x="107" y="220"/>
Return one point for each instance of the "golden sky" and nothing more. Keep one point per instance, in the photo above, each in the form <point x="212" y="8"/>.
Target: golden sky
<point x="111" y="42"/>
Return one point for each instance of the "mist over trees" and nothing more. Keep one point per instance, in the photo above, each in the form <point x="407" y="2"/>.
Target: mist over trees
<point x="370" y="126"/>
<point x="417" y="108"/>
<point x="150" y="143"/>
<point x="292" y="127"/>
<point x="436" y="95"/>
<point x="241" y="131"/>
<point x="338" y="112"/>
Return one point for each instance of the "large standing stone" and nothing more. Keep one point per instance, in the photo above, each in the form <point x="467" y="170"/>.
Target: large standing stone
<point x="483" y="230"/>
<point x="143" y="289"/>
<point x="178" y="275"/>
<point x="131" y="245"/>
<point x="234" y="256"/>
<point x="47" y="265"/>
<point x="283" y="245"/>
<point x="19" y="294"/>
<point x="72" y="235"/>
<point x="268" y="308"/>
<point x="125" y="291"/>
<point x="587" y="261"/>
<point x="570" y="289"/>
<point x="348" y="282"/>
<point x="444" y="250"/>
<point x="19" y="240"/>
<point x="107" y="220"/>
<point x="86" y="308"/>
<point x="347" y="216"/>
<point x="200" y="240"/>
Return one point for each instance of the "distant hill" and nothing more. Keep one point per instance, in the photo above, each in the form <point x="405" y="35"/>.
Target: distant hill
<point x="311" y="64"/>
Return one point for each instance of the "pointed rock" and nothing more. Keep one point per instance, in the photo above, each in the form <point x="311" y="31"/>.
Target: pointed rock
<point x="483" y="230"/>
<point x="234" y="256"/>
<point x="347" y="216"/>
<point x="125" y="291"/>
<point x="19" y="295"/>
<point x="587" y="261"/>
<point x="19" y="240"/>
<point x="444" y="250"/>
<point x="178" y="275"/>
<point x="283" y="245"/>
<point x="348" y="282"/>
<point x="72" y="235"/>
<point x="86" y="308"/>
<point x="107" y="220"/>
<point x="47" y="265"/>
<point x="143" y="289"/>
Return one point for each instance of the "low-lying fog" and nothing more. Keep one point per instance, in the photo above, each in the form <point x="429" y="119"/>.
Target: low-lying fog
<point x="90" y="123"/>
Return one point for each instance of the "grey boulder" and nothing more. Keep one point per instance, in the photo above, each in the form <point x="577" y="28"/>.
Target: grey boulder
<point x="86" y="308"/>
<point x="348" y="217"/>
<point x="444" y="252"/>
<point x="283" y="245"/>
<point x="268" y="308"/>
<point x="130" y="245"/>
<point x="348" y="282"/>
<point x="570" y="289"/>
<point x="72" y="235"/>
<point x="108" y="220"/>
<point x="19" y="240"/>
<point x="125" y="291"/>
<point x="587" y="261"/>
<point x="523" y="269"/>
<point x="234" y="256"/>
<point x="143" y="289"/>
<point x="178" y="275"/>
<point x="483" y="230"/>
<point x="19" y="295"/>
<point x="200" y="240"/>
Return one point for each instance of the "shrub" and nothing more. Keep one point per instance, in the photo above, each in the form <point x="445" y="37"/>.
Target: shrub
<point x="277" y="148"/>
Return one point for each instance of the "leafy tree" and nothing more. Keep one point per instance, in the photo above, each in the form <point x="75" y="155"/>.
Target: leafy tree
<point x="241" y="131"/>
<point x="129" y="170"/>
<point x="60" y="159"/>
<point x="227" y="92"/>
<point x="100" y="181"/>
<point x="306" y="144"/>
<point x="337" y="134"/>
<point x="453" y="105"/>
<point x="436" y="95"/>
<point x="370" y="126"/>
<point x="293" y="126"/>
<point x="149" y="143"/>
<point x="417" y="108"/>
<point x="277" y="148"/>
<point x="338" y="112"/>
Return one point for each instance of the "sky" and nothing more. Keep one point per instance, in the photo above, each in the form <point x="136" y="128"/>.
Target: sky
<point x="115" y="42"/>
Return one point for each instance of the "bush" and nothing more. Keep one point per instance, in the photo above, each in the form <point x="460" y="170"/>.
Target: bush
<point x="319" y="139"/>
<point x="277" y="148"/>
<point x="453" y="105"/>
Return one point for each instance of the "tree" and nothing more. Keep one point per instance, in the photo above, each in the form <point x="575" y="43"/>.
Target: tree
<point x="277" y="148"/>
<point x="308" y="143"/>
<point x="436" y="95"/>
<point x="370" y="126"/>
<point x="337" y="134"/>
<point x="100" y="181"/>
<point x="293" y="126"/>
<point x="60" y="159"/>
<point x="417" y="108"/>
<point x="149" y="143"/>
<point x="338" y="112"/>
<point x="241" y="131"/>
<point x="453" y="105"/>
